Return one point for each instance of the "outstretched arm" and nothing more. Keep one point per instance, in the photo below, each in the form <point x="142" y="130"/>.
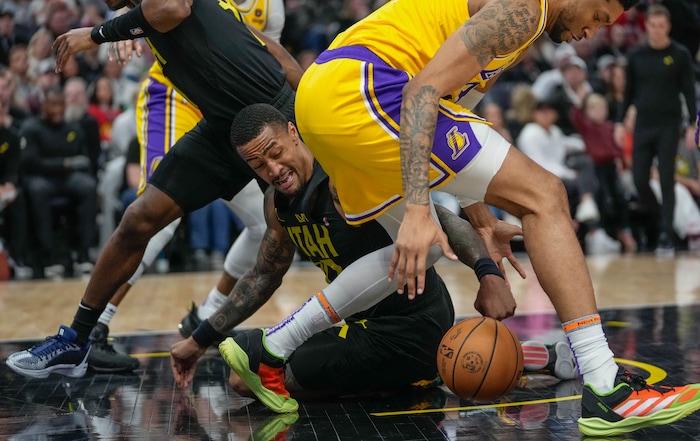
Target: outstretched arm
<point x="500" y="27"/>
<point x="275" y="256"/>
<point x="146" y="18"/>
<point x="494" y="298"/>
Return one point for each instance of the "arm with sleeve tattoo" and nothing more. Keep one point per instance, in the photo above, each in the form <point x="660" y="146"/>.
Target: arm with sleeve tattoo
<point x="494" y="298"/>
<point x="500" y="27"/>
<point x="260" y="282"/>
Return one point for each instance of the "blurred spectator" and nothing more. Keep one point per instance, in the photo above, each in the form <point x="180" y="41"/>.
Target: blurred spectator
<point x="616" y="91"/>
<point x="39" y="52"/>
<point x="210" y="234"/>
<point x="600" y="81"/>
<point x="522" y="106"/>
<point x="75" y="92"/>
<point x="493" y="113"/>
<point x="57" y="165"/>
<point x="688" y="165"/>
<point x="658" y="73"/>
<point x="564" y="156"/>
<point x="102" y="107"/>
<point x="597" y="132"/>
<point x="70" y="70"/>
<point x="618" y="41"/>
<point x="13" y="115"/>
<point x="59" y="18"/>
<point x="12" y="200"/>
<point x="26" y="91"/>
<point x="544" y="85"/>
<point x="570" y="92"/>
<point x="132" y="174"/>
<point x="9" y="36"/>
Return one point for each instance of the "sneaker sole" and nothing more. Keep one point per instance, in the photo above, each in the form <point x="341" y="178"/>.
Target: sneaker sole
<point x="600" y="427"/>
<point x="565" y="366"/>
<point x="69" y="370"/>
<point x="238" y="360"/>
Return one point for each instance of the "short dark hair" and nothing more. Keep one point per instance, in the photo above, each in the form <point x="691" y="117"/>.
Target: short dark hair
<point x="252" y="120"/>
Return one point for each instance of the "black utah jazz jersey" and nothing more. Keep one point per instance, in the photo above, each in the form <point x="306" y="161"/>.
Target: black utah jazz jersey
<point x="217" y="63"/>
<point x="321" y="233"/>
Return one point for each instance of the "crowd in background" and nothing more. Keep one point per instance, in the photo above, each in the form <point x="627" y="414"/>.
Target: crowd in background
<point x="69" y="159"/>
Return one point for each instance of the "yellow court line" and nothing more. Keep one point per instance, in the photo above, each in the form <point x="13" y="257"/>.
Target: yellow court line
<point x="151" y="355"/>
<point x="656" y="374"/>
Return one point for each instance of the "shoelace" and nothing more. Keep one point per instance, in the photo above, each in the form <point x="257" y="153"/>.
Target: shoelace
<point x="638" y="383"/>
<point x="49" y="347"/>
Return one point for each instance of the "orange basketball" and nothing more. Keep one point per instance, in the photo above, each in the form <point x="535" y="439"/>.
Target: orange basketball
<point x="480" y="359"/>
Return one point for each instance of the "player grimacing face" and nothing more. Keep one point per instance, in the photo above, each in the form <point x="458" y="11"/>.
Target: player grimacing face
<point x="280" y="159"/>
<point x="582" y="18"/>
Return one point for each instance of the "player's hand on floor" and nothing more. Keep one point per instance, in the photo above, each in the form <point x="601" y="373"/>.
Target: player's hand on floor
<point x="417" y="233"/>
<point x="183" y="360"/>
<point x="494" y="298"/>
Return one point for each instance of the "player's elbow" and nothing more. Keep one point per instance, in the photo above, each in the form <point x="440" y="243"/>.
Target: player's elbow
<point x="173" y="12"/>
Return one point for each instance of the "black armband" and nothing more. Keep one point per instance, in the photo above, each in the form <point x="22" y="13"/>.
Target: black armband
<point x="129" y="26"/>
<point x="487" y="266"/>
<point x="205" y="335"/>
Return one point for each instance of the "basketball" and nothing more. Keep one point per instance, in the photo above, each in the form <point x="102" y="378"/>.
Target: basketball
<point x="480" y="359"/>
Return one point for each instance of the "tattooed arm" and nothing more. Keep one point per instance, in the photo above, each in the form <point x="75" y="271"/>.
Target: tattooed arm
<point x="499" y="27"/>
<point x="494" y="298"/>
<point x="275" y="256"/>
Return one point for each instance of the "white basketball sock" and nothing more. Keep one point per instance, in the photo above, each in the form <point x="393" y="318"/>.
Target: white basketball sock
<point x="310" y="318"/>
<point x="592" y="353"/>
<point x="107" y="314"/>
<point x="213" y="301"/>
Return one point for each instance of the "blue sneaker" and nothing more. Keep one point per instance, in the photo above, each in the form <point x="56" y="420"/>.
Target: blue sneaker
<point x="58" y="354"/>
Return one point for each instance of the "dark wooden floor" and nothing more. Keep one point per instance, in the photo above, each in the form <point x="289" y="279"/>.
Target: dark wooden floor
<point x="660" y="342"/>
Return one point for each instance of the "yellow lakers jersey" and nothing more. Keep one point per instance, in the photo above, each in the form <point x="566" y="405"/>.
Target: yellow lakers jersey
<point x="424" y="27"/>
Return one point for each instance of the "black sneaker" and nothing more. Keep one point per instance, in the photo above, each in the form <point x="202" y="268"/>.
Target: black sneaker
<point x="634" y="404"/>
<point x="190" y="322"/>
<point x="104" y="358"/>
<point x="259" y="369"/>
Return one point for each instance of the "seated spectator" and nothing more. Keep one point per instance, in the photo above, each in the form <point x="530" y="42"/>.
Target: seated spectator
<point x="12" y="202"/>
<point x="591" y="122"/>
<point x="56" y="165"/>
<point x="688" y="165"/>
<point x="210" y="234"/>
<point x="564" y="156"/>
<point x="132" y="174"/>
<point x="570" y="92"/>
<point x="103" y="108"/>
<point x="522" y="105"/>
<point x="75" y="92"/>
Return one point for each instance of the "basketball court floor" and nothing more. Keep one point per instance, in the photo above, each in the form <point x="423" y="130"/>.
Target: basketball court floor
<point x="650" y="308"/>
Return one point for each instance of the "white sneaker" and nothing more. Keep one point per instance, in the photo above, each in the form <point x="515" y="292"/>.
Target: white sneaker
<point x="587" y="211"/>
<point x="598" y="242"/>
<point x="54" y="271"/>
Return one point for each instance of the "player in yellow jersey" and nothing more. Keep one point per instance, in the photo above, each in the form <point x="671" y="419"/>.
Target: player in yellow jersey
<point x="391" y="130"/>
<point x="163" y="115"/>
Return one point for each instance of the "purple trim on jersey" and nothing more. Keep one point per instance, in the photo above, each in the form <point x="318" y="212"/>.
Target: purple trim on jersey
<point x="157" y="97"/>
<point x="455" y="143"/>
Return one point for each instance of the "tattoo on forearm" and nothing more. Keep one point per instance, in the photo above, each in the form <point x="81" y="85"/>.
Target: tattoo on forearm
<point x="418" y="122"/>
<point x="463" y="238"/>
<point x="501" y="27"/>
<point x="258" y="284"/>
